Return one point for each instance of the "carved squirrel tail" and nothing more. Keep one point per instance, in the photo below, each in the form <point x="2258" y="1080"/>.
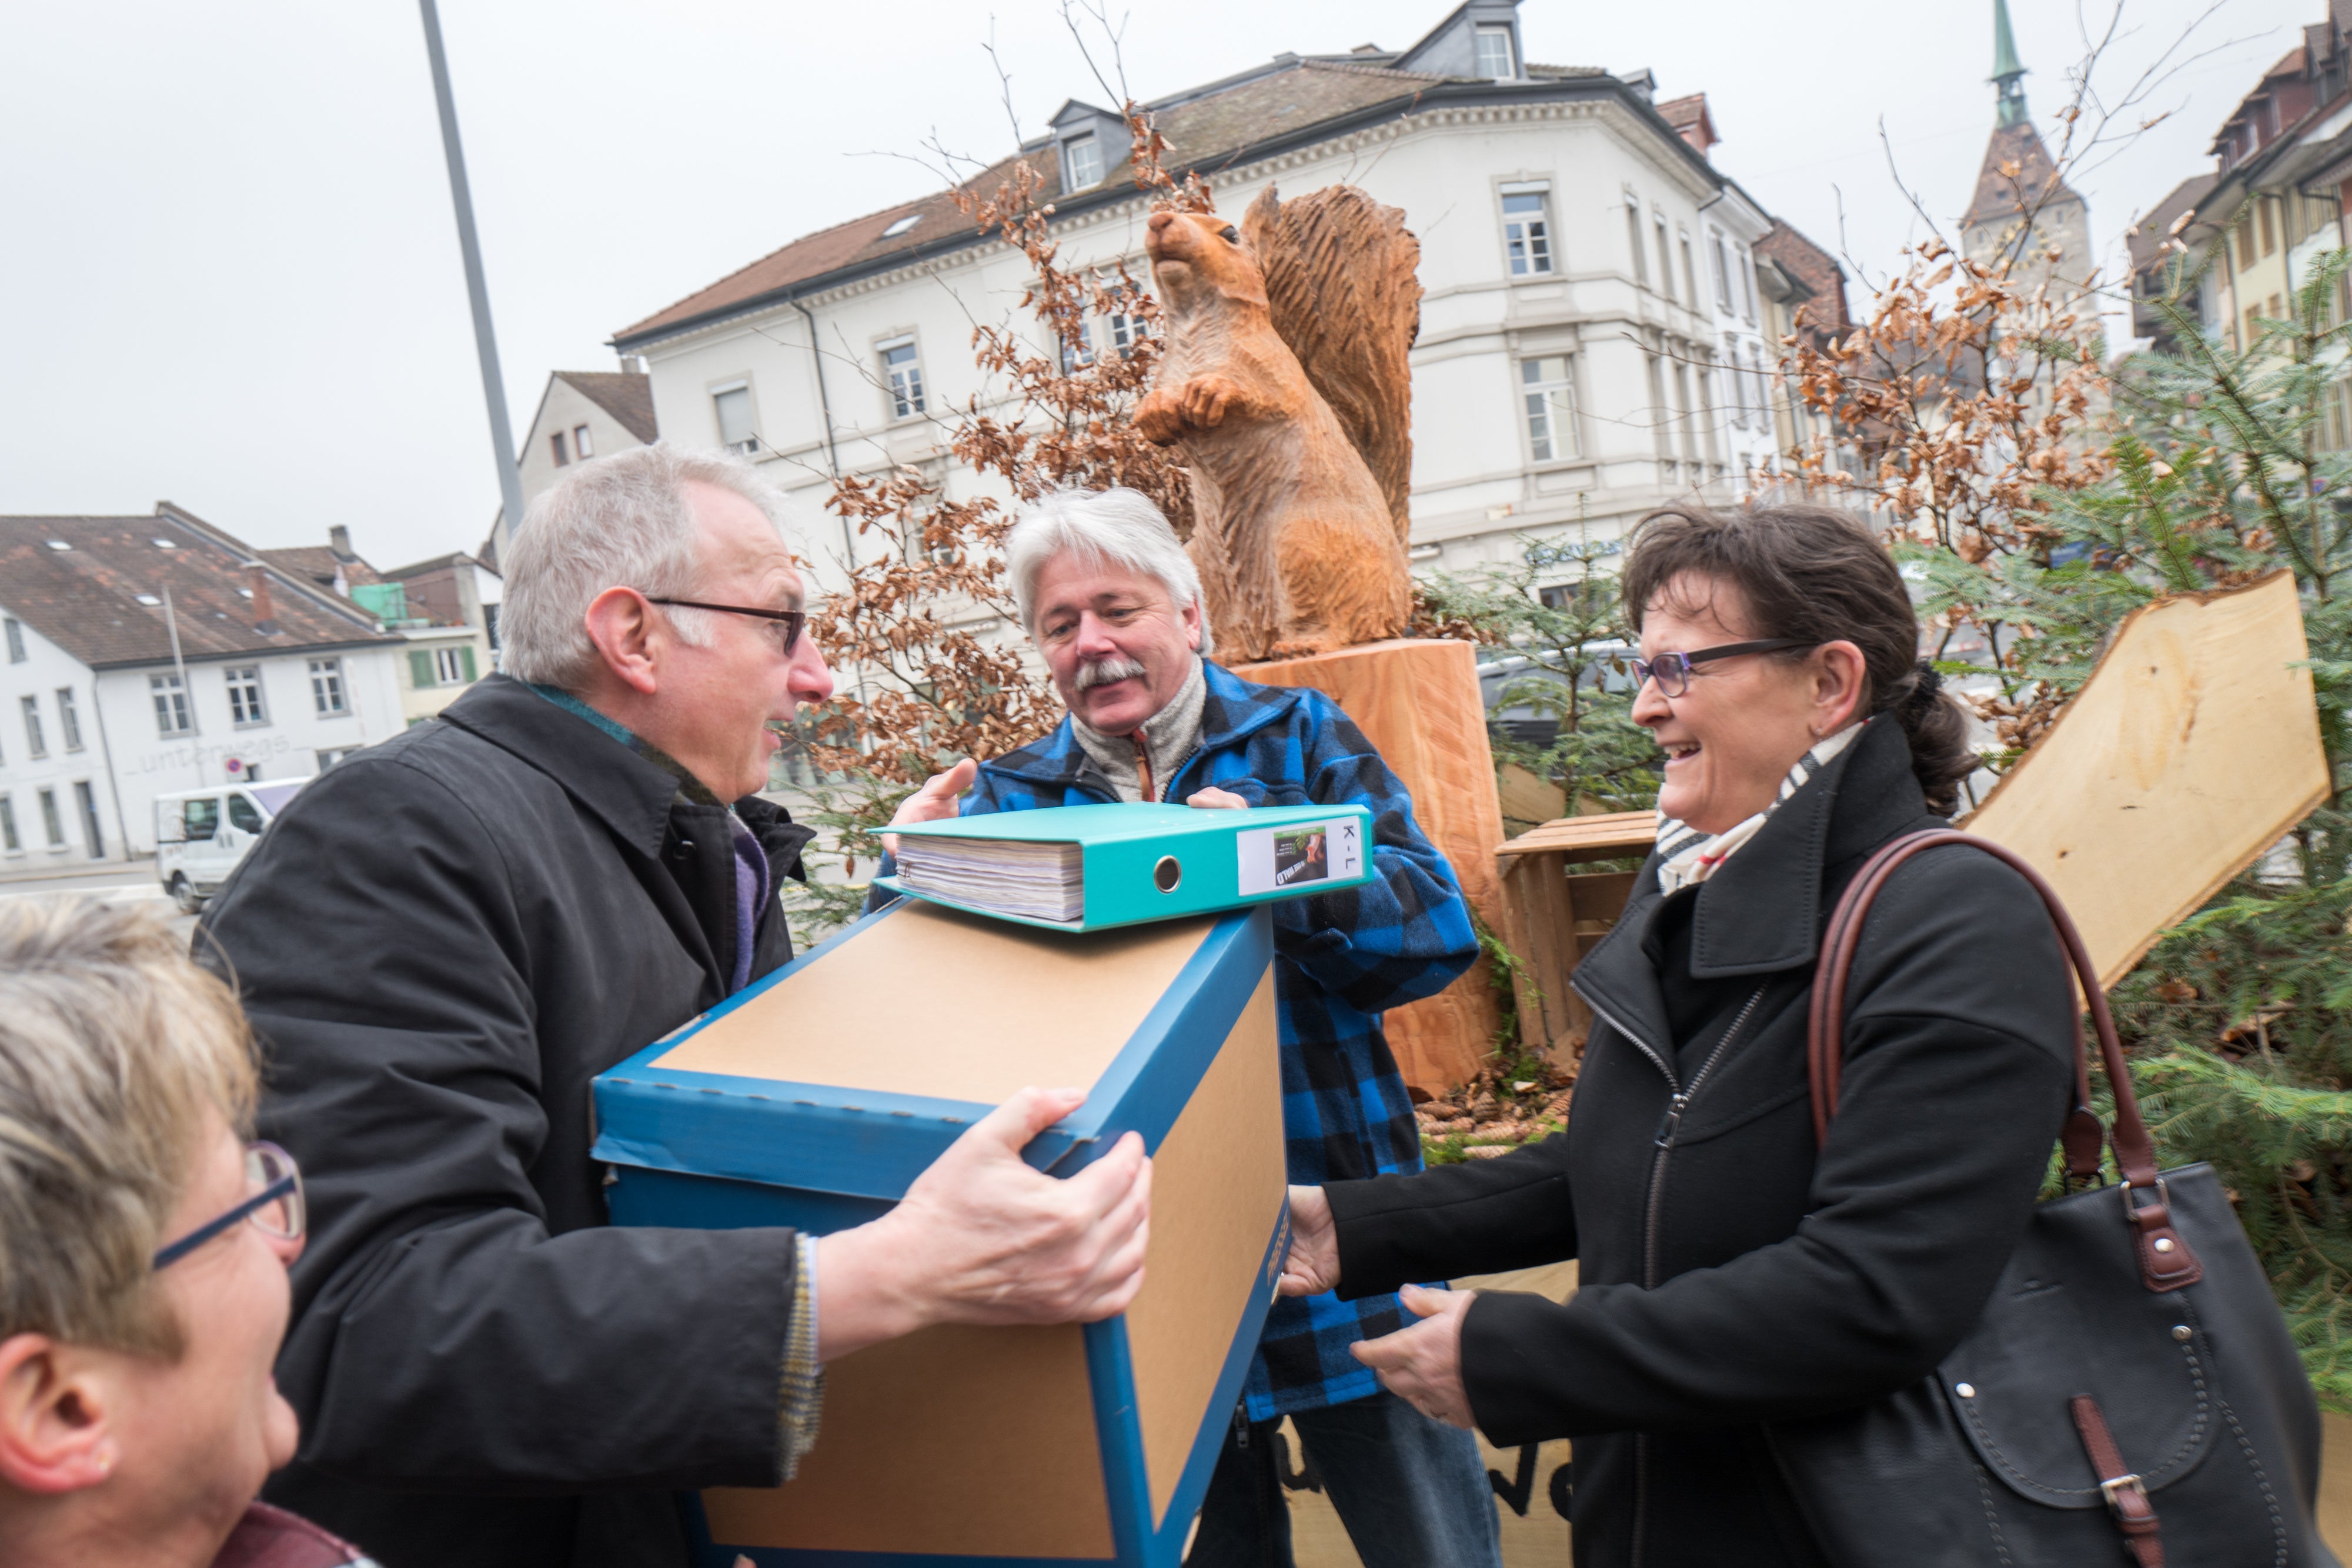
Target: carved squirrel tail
<point x="1341" y="288"/>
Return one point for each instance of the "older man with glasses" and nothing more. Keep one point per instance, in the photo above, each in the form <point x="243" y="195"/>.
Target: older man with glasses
<point x="1113" y="603"/>
<point x="442" y="941"/>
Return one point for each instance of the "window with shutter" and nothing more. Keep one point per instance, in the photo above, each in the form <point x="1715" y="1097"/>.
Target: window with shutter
<point x="420" y="669"/>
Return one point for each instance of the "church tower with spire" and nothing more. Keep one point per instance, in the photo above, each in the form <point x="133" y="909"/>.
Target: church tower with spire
<point x="2023" y="210"/>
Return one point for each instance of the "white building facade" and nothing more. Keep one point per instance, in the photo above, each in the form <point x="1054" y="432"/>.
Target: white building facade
<point x="97" y="715"/>
<point x="1573" y="368"/>
<point x="1744" y="358"/>
<point x="582" y="414"/>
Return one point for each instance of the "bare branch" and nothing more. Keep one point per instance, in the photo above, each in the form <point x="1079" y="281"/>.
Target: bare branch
<point x="1098" y="10"/>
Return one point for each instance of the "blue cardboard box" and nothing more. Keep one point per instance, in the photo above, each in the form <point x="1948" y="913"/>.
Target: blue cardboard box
<point x="813" y="1099"/>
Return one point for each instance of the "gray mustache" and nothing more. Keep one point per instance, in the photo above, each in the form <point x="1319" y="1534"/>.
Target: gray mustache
<point x="1100" y="672"/>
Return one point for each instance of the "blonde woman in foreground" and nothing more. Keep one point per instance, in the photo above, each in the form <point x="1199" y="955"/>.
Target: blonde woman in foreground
<point x="143" y="1249"/>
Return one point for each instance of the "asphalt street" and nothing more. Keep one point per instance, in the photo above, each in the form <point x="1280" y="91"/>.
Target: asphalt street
<point x="126" y="885"/>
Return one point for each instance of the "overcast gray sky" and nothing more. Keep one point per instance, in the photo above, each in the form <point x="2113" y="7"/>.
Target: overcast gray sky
<point x="227" y="247"/>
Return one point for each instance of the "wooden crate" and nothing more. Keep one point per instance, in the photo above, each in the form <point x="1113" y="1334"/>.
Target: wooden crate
<point x="1553" y="914"/>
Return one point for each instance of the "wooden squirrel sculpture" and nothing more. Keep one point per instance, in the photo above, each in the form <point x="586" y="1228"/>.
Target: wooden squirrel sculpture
<point x="1286" y="385"/>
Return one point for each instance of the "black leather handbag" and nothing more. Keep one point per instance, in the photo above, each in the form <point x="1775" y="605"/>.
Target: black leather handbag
<point x="2131" y="1393"/>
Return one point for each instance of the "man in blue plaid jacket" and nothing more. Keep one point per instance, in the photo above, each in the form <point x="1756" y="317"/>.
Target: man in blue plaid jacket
<point x="1114" y="605"/>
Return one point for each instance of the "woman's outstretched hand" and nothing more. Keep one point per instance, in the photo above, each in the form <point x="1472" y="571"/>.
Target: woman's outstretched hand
<point x="1313" y="1265"/>
<point x="1422" y="1364"/>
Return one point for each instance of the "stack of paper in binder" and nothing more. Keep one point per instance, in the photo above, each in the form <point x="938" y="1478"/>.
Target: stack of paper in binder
<point x="815" y="1097"/>
<point x="1085" y="867"/>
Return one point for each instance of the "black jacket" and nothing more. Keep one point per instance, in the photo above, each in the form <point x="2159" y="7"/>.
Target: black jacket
<point x="440" y="943"/>
<point x="1728" y="1277"/>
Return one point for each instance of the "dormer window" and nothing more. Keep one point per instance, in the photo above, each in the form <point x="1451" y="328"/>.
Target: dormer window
<point x="1497" y="59"/>
<point x="1082" y="162"/>
<point x="902" y="225"/>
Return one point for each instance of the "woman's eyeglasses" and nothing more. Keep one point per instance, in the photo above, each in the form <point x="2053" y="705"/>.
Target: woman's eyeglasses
<point x="1673" y="671"/>
<point x="793" y="621"/>
<point x="275" y="1204"/>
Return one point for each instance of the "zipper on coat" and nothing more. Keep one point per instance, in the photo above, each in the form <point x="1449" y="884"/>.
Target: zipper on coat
<point x="1653" y="1204"/>
<point x="1198" y="747"/>
<point x="1663" y="1142"/>
<point x="1644" y="1046"/>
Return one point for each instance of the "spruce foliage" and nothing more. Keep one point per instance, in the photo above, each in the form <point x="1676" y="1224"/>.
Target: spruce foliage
<point x="1562" y="648"/>
<point x="2240" y="1021"/>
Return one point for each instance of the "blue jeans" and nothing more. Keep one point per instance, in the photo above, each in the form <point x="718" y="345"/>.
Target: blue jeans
<point x="1412" y="1492"/>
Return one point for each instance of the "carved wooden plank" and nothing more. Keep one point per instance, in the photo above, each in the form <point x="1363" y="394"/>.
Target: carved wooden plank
<point x="2190" y="750"/>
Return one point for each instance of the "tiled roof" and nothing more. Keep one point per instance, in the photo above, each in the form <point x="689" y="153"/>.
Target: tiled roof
<point x="317" y="563"/>
<point x="438" y="563"/>
<point x="2147" y="237"/>
<point x="1815" y="268"/>
<point x="1206" y="128"/>
<point x="843" y="245"/>
<point x="87" y="597"/>
<point x="626" y="395"/>
<point x="1690" y="119"/>
<point x="1997" y="193"/>
<point x="2290" y="64"/>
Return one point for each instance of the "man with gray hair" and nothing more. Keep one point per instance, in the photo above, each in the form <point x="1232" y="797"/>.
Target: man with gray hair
<point x="1113" y="604"/>
<point x="444" y="939"/>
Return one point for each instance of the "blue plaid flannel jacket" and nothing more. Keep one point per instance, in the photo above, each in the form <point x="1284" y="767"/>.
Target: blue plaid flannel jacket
<point x="1339" y="960"/>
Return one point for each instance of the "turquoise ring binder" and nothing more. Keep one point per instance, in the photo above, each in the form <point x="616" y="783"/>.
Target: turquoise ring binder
<point x="1087" y="868"/>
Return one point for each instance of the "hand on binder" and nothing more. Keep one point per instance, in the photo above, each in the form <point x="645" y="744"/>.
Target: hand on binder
<point x="935" y="801"/>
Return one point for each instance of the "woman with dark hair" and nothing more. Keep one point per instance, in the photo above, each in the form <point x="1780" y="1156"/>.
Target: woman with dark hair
<point x="1730" y="1277"/>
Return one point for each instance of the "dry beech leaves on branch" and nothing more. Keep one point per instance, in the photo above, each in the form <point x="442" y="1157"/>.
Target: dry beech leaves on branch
<point x="1968" y="396"/>
<point x="929" y="580"/>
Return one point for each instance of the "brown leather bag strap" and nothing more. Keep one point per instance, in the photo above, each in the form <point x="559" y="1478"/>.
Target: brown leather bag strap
<point x="2127" y="1496"/>
<point x="2166" y="1262"/>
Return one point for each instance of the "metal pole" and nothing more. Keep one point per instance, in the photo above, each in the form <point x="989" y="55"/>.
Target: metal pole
<point x="825" y="402"/>
<point x="113" y="780"/>
<point x="180" y="665"/>
<point x="832" y="461"/>
<point x="476" y="290"/>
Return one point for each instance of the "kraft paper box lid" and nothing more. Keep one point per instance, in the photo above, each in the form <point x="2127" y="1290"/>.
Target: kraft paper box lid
<point x="852" y="1069"/>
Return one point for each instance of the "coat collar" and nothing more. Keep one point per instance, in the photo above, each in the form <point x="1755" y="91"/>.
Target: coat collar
<point x="628" y="793"/>
<point x="1761" y="913"/>
<point x="1233" y="710"/>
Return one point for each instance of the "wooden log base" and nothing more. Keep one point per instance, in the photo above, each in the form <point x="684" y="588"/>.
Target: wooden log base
<point x="1417" y="699"/>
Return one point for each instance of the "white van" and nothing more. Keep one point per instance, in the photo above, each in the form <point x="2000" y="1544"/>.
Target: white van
<point x="202" y="834"/>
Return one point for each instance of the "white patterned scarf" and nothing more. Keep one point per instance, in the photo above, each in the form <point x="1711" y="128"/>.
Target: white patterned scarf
<point x="1688" y="857"/>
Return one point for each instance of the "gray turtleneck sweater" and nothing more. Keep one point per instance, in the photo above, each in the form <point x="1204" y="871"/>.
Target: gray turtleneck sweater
<point x="1170" y="738"/>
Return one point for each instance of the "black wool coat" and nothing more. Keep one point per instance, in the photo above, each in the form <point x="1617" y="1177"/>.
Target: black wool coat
<point x="440" y="942"/>
<point x="1729" y="1276"/>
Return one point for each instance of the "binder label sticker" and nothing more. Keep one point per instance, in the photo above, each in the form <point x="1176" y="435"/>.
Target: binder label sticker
<point x="1279" y="858"/>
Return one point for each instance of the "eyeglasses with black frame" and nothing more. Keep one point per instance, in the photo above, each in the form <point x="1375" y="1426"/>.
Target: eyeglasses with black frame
<point x="1673" y="671"/>
<point x="274" y="1205"/>
<point x="793" y="621"/>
